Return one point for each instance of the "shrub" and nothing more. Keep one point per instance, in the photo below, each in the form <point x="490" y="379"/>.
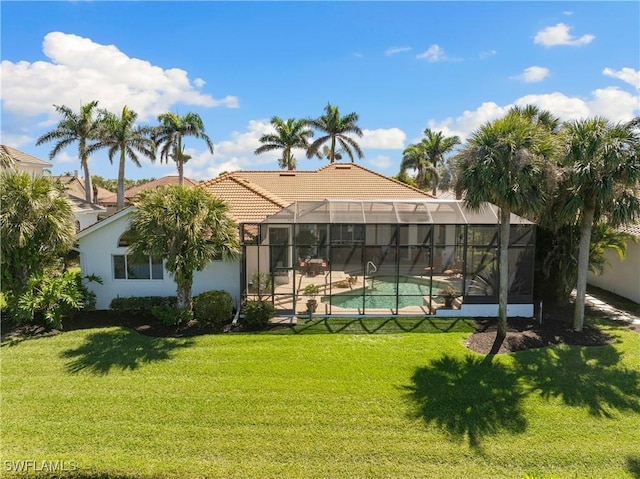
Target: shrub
<point x="47" y="297"/>
<point x="214" y="308"/>
<point x="171" y="316"/>
<point x="142" y="305"/>
<point x="257" y="314"/>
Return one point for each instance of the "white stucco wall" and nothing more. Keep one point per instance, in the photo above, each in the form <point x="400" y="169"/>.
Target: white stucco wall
<point x="87" y="218"/>
<point x="487" y="311"/>
<point x="99" y="244"/>
<point x="621" y="277"/>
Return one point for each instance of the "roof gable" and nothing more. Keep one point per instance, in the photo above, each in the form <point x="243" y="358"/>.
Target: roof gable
<point x="24" y="158"/>
<point x="338" y="180"/>
<point x="131" y="193"/>
<point x="254" y="195"/>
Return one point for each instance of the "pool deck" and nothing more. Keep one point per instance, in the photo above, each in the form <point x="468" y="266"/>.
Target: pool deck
<point x="338" y="282"/>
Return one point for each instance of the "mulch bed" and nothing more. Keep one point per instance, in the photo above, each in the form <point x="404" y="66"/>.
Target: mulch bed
<point x="522" y="333"/>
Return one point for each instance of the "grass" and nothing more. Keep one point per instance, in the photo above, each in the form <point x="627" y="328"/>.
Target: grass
<point x="320" y="405"/>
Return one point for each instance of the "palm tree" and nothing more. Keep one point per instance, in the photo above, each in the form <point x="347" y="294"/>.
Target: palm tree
<point x="435" y="147"/>
<point x="120" y="135"/>
<point x="336" y="129"/>
<point x="506" y="162"/>
<point x="603" y="178"/>
<point x="36" y="226"/>
<point x="289" y="135"/>
<point x="168" y="137"/>
<point x="6" y="162"/>
<point x="188" y="228"/>
<point x="74" y="127"/>
<point x="414" y="157"/>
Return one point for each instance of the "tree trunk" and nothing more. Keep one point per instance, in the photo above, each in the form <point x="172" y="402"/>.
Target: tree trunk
<point x="583" y="265"/>
<point x="88" y="185"/>
<point x="184" y="291"/>
<point x="503" y="294"/>
<point x="120" y="190"/>
<point x="180" y="172"/>
<point x="435" y="182"/>
<point x="332" y="152"/>
<point x="180" y="163"/>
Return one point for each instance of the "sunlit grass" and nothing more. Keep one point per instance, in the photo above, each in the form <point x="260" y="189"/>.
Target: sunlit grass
<point x="320" y="405"/>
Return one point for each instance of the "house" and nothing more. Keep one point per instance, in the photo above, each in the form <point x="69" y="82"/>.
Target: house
<point x="24" y="162"/>
<point x="85" y="213"/>
<point x="111" y="200"/>
<point x="622" y="277"/>
<point x="373" y="246"/>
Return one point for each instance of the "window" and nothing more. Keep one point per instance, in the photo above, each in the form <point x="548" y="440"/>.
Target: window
<point x="129" y="267"/>
<point x="124" y="240"/>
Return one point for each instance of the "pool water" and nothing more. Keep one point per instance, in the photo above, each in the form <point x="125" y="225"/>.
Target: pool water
<point x="383" y="293"/>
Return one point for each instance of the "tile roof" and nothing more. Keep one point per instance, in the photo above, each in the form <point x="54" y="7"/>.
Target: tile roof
<point x="339" y="180"/>
<point x="252" y="195"/>
<point x="20" y="157"/>
<point x="75" y="186"/>
<point x="131" y="193"/>
<point x="633" y="229"/>
<point x="247" y="201"/>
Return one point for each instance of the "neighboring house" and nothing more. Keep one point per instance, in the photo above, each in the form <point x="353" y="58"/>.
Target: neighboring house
<point x="85" y="213"/>
<point x="351" y="231"/>
<point x="622" y="277"/>
<point x="24" y="162"/>
<point x="111" y="200"/>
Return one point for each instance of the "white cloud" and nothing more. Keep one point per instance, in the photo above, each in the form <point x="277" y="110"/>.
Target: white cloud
<point x="380" y="162"/>
<point x="82" y="70"/>
<point x="394" y="50"/>
<point x="487" y="54"/>
<point x="434" y="53"/>
<point x="237" y="153"/>
<point x="560" y="35"/>
<point x="463" y="125"/>
<point x="628" y="75"/>
<point x="612" y="103"/>
<point x="389" y="138"/>
<point x="533" y="74"/>
<point x="16" y="140"/>
<point x="567" y="13"/>
<point x="358" y="55"/>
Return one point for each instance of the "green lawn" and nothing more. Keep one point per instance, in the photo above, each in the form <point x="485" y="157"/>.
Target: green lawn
<point x="394" y="405"/>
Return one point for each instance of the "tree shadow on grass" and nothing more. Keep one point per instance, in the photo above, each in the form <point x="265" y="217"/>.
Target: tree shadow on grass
<point x="121" y="349"/>
<point x="470" y="397"/>
<point x="582" y="376"/>
<point x="633" y="464"/>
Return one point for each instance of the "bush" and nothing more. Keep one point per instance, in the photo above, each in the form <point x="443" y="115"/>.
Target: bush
<point x="170" y="316"/>
<point x="257" y="314"/>
<point x="214" y="308"/>
<point x="142" y="305"/>
<point x="47" y="297"/>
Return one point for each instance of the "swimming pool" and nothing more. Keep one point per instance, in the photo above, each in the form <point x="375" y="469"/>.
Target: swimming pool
<point x="381" y="293"/>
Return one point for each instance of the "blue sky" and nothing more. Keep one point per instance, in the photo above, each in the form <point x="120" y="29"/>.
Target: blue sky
<point x="402" y="66"/>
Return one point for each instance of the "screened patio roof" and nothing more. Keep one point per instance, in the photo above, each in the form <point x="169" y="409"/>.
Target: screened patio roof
<point x="428" y="211"/>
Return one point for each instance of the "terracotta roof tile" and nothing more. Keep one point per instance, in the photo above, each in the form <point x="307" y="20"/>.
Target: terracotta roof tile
<point x="131" y="193"/>
<point x="633" y="229"/>
<point x="252" y="195"/>
<point x="247" y="202"/>
<point x="333" y="181"/>
<point x="75" y="186"/>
